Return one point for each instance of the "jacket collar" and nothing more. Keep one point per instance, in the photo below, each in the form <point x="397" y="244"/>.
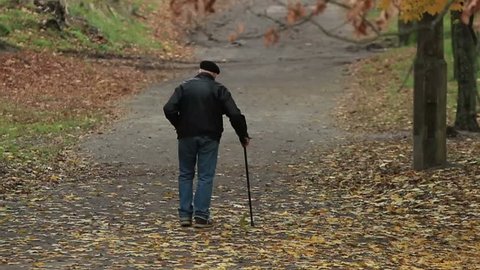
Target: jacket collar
<point x="205" y="75"/>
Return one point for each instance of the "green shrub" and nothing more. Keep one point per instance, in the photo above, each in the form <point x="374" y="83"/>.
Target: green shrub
<point x="43" y="43"/>
<point x="4" y="31"/>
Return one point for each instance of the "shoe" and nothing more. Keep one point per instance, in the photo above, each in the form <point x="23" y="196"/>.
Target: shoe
<point x="185" y="222"/>
<point x="202" y="223"/>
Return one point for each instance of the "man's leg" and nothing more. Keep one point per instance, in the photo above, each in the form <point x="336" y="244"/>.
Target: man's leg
<point x="187" y="157"/>
<point x="207" y="162"/>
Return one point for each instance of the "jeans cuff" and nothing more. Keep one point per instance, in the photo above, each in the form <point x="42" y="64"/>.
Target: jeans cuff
<point x="201" y="216"/>
<point x="184" y="216"/>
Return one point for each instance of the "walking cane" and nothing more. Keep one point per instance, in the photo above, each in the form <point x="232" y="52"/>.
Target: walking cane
<point x="248" y="186"/>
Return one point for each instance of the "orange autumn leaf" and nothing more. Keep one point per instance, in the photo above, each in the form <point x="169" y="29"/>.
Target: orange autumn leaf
<point x="240" y="28"/>
<point x="295" y="12"/>
<point x="232" y="37"/>
<point x="271" y="37"/>
<point x="319" y="7"/>
<point x="382" y="20"/>
<point x="358" y="10"/>
<point x="471" y="7"/>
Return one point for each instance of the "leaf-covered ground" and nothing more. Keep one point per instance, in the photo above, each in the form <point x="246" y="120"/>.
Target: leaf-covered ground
<point x="66" y="85"/>
<point x="358" y="206"/>
<point x="47" y="102"/>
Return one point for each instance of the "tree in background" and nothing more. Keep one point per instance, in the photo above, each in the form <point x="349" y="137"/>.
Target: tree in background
<point x="464" y="41"/>
<point x="405" y="33"/>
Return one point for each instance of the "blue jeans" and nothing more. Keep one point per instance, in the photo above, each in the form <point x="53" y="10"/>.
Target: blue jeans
<point x="203" y="151"/>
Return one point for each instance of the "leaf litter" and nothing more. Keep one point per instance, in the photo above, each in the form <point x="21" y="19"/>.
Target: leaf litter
<point x="357" y="206"/>
<point x="44" y="90"/>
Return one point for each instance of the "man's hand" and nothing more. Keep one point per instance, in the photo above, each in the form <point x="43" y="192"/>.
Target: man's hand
<point x="245" y="141"/>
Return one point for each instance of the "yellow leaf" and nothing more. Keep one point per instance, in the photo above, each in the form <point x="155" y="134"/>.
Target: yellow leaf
<point x="384" y="4"/>
<point x="456" y="6"/>
<point x="71" y="197"/>
<point x="332" y="220"/>
<point x="375" y="248"/>
<point x="437" y="7"/>
<point x="397" y="199"/>
<point x="370" y="263"/>
<point x="317" y="240"/>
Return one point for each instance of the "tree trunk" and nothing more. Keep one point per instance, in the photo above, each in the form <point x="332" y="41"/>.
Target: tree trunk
<point x="465" y="60"/>
<point x="404" y="32"/>
<point x="430" y="97"/>
<point x="454" y="19"/>
<point x="59" y="10"/>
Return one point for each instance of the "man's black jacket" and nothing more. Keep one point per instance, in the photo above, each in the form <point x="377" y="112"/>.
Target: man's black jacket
<point x="196" y="108"/>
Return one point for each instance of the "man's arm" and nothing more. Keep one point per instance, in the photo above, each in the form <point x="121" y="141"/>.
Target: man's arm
<point x="237" y="119"/>
<point x="172" y="107"/>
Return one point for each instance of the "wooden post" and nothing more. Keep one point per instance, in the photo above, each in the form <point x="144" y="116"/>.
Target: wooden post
<point x="430" y="97"/>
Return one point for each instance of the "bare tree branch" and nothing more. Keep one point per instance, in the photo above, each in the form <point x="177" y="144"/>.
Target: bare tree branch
<point x="209" y="35"/>
<point x="282" y="26"/>
<point x="343" y="38"/>
<point x="442" y="14"/>
<point x="410" y="71"/>
<point x="310" y="18"/>
<point x="200" y="28"/>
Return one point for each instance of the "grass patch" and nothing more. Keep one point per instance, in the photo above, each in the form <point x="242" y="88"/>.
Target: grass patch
<point x="22" y="27"/>
<point x="42" y="43"/>
<point x="107" y="26"/>
<point x="19" y="19"/>
<point x="120" y="30"/>
<point x="29" y="135"/>
<point x="4" y="30"/>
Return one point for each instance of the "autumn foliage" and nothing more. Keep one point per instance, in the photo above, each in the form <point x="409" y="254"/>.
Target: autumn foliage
<point x="295" y="11"/>
<point x="356" y="15"/>
<point x="410" y="10"/>
<point x="471" y="7"/>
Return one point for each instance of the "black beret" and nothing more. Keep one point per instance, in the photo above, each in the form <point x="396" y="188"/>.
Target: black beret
<point x="210" y="66"/>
